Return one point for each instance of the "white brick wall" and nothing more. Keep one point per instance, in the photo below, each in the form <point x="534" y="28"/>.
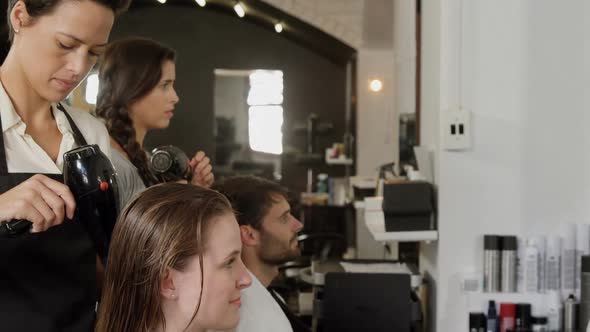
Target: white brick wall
<point x="342" y="19"/>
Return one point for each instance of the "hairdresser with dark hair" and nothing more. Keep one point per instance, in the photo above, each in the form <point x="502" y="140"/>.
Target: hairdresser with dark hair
<point x="136" y="95"/>
<point x="48" y="276"/>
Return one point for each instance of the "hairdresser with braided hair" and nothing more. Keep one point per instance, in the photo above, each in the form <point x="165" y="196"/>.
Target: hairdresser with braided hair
<point x="136" y="95"/>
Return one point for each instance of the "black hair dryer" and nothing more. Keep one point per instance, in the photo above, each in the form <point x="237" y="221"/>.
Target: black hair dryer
<point x="169" y="163"/>
<point x="93" y="181"/>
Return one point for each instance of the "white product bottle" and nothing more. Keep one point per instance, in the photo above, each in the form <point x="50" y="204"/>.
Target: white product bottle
<point x="520" y="259"/>
<point x="568" y="261"/>
<point x="541" y="244"/>
<point x="553" y="263"/>
<point x="554" y="310"/>
<point x="531" y="266"/>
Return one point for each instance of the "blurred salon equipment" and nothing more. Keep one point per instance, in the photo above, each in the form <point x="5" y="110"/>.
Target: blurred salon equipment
<point x="364" y="295"/>
<point x="336" y="291"/>
<point x="408" y="206"/>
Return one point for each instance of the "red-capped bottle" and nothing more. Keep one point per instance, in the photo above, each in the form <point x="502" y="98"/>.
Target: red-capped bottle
<point x="507" y="316"/>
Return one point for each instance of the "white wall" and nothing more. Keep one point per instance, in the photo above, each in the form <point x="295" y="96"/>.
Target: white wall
<point x="519" y="67"/>
<point x="377" y="119"/>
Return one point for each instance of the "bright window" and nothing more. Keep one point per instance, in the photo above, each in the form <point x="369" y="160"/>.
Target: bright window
<point x="264" y="126"/>
<point x="265" y="115"/>
<point x="92" y="89"/>
<point x="266" y="88"/>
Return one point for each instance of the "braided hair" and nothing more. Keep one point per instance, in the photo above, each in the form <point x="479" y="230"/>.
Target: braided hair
<point x="129" y="70"/>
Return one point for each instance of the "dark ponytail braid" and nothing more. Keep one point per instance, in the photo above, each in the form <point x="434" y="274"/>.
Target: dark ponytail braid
<point x="129" y="70"/>
<point x="121" y="129"/>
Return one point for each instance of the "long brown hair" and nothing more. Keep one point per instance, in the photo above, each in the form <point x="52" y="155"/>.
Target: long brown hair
<point x="129" y="70"/>
<point x="161" y="228"/>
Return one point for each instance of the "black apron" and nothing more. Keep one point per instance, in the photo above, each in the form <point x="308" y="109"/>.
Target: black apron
<point x="47" y="279"/>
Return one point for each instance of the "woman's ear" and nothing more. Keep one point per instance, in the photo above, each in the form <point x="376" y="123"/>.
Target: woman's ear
<point x="167" y="288"/>
<point x="19" y="16"/>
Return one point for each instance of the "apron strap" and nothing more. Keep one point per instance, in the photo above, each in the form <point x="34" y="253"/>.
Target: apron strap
<point x="3" y="163"/>
<point x="78" y="137"/>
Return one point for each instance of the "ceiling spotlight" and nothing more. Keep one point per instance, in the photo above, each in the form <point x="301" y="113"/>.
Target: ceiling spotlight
<point x="278" y="27"/>
<point x="201" y="3"/>
<point x="376" y="85"/>
<point x="239" y="10"/>
<point x="162" y="1"/>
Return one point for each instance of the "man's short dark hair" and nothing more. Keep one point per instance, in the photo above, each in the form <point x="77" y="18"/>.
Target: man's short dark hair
<point x="251" y="197"/>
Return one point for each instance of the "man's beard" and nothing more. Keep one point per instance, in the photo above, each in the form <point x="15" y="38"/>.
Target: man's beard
<point x="275" y="252"/>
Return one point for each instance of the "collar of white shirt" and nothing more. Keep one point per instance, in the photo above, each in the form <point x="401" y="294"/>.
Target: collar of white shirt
<point x="11" y="121"/>
<point x="10" y="118"/>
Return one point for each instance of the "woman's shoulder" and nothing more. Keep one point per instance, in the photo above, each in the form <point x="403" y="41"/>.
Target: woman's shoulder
<point x="129" y="181"/>
<point x="120" y="160"/>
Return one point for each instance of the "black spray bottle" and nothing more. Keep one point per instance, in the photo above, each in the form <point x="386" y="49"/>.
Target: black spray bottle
<point x="493" y="322"/>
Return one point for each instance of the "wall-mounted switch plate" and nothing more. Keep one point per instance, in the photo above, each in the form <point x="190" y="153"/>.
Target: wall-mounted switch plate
<point x="456" y="130"/>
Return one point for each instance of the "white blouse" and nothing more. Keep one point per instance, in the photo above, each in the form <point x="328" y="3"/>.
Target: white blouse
<point x="24" y="155"/>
